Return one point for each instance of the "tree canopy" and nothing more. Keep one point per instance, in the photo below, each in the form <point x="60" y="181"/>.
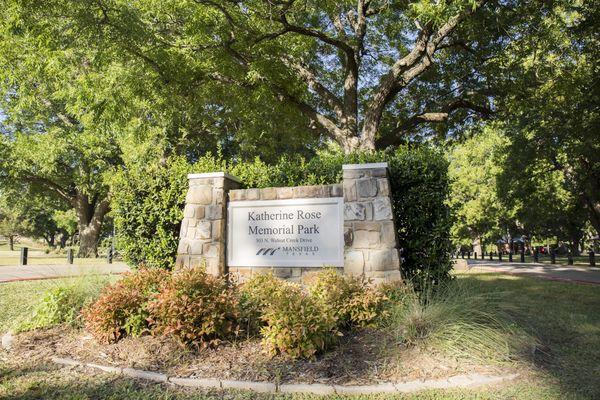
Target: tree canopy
<point x="54" y="142"/>
<point x="89" y="88"/>
<point x="362" y="73"/>
<point x="552" y="111"/>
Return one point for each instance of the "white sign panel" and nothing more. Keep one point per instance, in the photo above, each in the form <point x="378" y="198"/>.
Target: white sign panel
<point x="286" y="233"/>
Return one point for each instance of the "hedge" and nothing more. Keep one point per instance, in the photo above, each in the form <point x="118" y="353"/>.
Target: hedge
<point x="148" y="202"/>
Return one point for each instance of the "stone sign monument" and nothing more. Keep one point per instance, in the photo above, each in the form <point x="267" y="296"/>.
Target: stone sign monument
<point x="291" y="230"/>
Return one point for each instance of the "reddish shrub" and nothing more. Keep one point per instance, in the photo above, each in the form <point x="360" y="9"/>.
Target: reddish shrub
<point x="121" y="308"/>
<point x="196" y="307"/>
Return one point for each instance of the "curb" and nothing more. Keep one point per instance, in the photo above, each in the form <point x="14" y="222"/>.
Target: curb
<point x="458" y="381"/>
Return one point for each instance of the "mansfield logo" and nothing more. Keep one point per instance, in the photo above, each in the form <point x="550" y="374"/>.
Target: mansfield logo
<point x="269" y="251"/>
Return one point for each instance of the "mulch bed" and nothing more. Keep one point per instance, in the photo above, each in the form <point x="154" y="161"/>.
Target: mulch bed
<point x="360" y="357"/>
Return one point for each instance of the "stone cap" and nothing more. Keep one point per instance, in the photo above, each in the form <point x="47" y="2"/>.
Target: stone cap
<point x="214" y="175"/>
<point x="380" y="165"/>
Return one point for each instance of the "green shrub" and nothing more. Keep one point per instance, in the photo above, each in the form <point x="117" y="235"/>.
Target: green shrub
<point x="420" y="190"/>
<point x="61" y="304"/>
<point x="303" y="321"/>
<point x="195" y="307"/>
<point x="58" y="305"/>
<point x="460" y="320"/>
<point x="297" y="324"/>
<point x="351" y="300"/>
<point x="122" y="308"/>
<point x="259" y="289"/>
<point x="148" y="207"/>
<point x="255" y="296"/>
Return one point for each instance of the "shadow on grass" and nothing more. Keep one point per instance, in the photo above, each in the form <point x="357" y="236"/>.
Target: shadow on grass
<point x="566" y="319"/>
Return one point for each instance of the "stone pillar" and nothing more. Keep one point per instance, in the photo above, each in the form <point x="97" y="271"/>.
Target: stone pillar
<point x="202" y="239"/>
<point x="371" y="245"/>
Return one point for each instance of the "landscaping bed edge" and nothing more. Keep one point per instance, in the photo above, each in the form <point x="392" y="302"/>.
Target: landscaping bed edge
<point x="458" y="381"/>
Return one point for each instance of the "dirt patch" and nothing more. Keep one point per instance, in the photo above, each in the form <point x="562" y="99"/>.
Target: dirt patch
<point x="361" y="357"/>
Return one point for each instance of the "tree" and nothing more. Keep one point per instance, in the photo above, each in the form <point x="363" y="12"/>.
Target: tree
<point x="552" y="110"/>
<point x="499" y="190"/>
<point x="66" y="221"/>
<point x="475" y="164"/>
<point x="364" y="73"/>
<point x="13" y="222"/>
<point x="23" y="213"/>
<point x="539" y="195"/>
<point x="52" y="140"/>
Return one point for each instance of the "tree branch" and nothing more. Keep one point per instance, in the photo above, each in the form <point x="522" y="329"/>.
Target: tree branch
<point x="442" y="115"/>
<point x="377" y="10"/>
<point x="56" y="188"/>
<point x="337" y="22"/>
<point x="328" y="125"/>
<point x="326" y="95"/>
<point x="66" y="119"/>
<point x="406" y="69"/>
<point x="345" y="47"/>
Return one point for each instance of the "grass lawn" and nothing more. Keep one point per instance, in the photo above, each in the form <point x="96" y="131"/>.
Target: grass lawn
<point x="563" y="315"/>
<point x="580" y="261"/>
<point x="18" y="298"/>
<point x="37" y="256"/>
<point x="45" y="259"/>
<point x="17" y="246"/>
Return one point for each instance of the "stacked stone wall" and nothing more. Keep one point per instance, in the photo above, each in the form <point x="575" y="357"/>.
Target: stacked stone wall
<point x="369" y="232"/>
<point x="203" y="237"/>
<point x="284" y="193"/>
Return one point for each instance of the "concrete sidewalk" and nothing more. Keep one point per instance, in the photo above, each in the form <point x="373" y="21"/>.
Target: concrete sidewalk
<point x="556" y="272"/>
<point x="34" y="272"/>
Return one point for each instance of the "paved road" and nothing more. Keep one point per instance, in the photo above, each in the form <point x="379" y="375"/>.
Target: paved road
<point x="33" y="272"/>
<point x="557" y="272"/>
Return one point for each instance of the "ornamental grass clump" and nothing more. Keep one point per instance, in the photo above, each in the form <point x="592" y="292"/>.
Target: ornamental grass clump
<point x="461" y="320"/>
<point x="122" y="308"/>
<point x="195" y="307"/>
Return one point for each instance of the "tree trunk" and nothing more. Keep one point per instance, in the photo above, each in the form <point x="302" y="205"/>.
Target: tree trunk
<point x="11" y="242"/>
<point x="88" y="240"/>
<point x="575" y="245"/>
<point x="351" y="144"/>
<point x="478" y="245"/>
<point x="63" y="240"/>
<point x="49" y="240"/>
<point x="90" y="215"/>
<point x="594" y="211"/>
